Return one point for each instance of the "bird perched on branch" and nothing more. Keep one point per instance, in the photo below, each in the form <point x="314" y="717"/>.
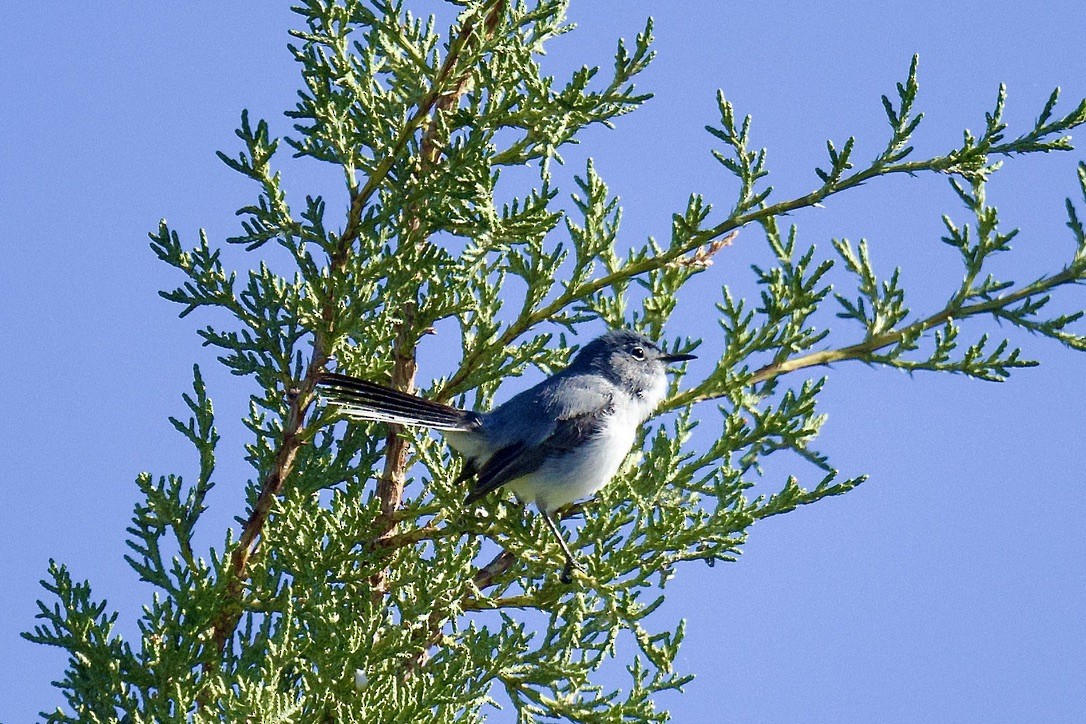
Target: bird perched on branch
<point x="551" y="445"/>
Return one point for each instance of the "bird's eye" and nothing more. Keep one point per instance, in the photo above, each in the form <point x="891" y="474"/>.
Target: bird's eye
<point x="638" y="352"/>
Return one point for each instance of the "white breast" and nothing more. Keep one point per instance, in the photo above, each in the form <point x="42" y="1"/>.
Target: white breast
<point x="582" y="473"/>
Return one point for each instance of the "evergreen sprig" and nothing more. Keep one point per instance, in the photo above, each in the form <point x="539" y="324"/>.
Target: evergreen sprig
<point x="357" y="587"/>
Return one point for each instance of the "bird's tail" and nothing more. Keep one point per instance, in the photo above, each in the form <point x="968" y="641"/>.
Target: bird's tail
<point x="362" y="400"/>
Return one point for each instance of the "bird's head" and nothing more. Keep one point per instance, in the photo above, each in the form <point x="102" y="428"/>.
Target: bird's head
<point x="629" y="359"/>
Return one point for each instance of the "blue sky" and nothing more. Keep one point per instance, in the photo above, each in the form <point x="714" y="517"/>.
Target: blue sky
<point x="951" y="587"/>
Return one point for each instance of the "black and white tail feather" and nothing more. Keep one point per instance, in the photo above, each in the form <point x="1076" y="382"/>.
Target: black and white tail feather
<point x="361" y="400"/>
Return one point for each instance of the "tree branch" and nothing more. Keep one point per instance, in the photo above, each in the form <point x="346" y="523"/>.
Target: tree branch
<point x="391" y="483"/>
<point x="1068" y="275"/>
<point x="294" y="433"/>
<point x="713" y="235"/>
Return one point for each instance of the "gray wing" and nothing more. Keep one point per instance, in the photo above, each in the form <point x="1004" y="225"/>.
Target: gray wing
<point x="550" y="419"/>
<point x="517" y="460"/>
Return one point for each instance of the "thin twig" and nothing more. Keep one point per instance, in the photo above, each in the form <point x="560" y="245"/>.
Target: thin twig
<point x="886" y="339"/>
<point x="487" y="576"/>
<point x="881" y="341"/>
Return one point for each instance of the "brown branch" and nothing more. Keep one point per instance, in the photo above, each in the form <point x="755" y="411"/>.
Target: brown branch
<point x="391" y="483"/>
<point x="429" y="531"/>
<point x="487" y="576"/>
<point x="702" y="257"/>
<point x="223" y="625"/>
<point x="225" y="622"/>
<point x="428" y="637"/>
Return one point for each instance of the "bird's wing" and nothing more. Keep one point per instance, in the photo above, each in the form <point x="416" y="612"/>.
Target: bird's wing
<point x="509" y="463"/>
<point x="574" y="425"/>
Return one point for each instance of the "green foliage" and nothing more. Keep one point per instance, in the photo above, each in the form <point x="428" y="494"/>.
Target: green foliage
<point x="341" y="600"/>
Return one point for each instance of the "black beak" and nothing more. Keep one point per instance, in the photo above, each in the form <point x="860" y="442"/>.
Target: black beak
<point x="677" y="357"/>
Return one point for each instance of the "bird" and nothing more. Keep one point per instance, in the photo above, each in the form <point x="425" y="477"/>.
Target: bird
<point x="555" y="443"/>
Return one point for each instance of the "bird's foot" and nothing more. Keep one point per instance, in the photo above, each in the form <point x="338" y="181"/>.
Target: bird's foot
<point x="567" y="571"/>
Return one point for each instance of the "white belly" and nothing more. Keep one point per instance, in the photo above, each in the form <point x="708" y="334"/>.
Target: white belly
<point x="583" y="472"/>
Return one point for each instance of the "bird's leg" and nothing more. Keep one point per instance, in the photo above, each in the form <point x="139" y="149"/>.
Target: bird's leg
<point x="567" y="570"/>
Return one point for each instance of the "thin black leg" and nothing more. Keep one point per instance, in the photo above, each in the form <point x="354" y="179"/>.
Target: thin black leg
<point x="567" y="570"/>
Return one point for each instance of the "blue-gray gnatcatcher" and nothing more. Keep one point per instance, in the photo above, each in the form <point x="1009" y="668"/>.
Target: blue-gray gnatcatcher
<point x="555" y="443"/>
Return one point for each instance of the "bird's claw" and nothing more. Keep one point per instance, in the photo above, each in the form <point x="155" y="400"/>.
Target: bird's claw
<point x="567" y="571"/>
